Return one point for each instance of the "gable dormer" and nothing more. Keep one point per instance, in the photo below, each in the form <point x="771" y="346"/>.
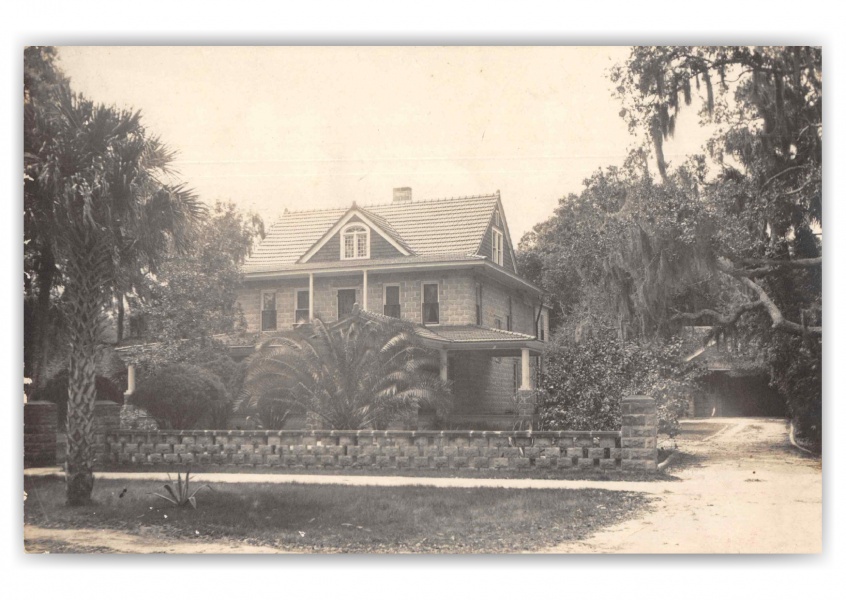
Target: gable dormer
<point x="496" y="243"/>
<point x="357" y="235"/>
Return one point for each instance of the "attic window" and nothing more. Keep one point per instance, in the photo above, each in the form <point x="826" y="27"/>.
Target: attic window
<point x="496" y="250"/>
<point x="355" y="241"/>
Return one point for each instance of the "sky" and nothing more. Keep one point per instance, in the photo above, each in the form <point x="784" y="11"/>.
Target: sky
<point x="276" y="128"/>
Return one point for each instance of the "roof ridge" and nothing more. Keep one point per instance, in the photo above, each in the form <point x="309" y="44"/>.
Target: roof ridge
<point x="431" y="200"/>
<point x="366" y="206"/>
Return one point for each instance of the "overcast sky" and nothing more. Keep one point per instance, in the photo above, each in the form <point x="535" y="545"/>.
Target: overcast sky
<point x="300" y="127"/>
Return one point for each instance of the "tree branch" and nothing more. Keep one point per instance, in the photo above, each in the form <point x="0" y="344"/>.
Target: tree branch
<point x="723" y="320"/>
<point x="778" y="319"/>
<point x="795" y="263"/>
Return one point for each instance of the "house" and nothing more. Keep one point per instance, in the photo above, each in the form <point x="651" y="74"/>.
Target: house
<point x="446" y="265"/>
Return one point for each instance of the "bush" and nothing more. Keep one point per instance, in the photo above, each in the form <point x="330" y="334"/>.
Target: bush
<point x="584" y="382"/>
<point x="56" y="391"/>
<point x="181" y="396"/>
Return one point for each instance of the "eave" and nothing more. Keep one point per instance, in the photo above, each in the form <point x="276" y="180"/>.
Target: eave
<point x="317" y="270"/>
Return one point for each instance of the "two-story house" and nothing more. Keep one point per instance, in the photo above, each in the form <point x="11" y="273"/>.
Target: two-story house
<point x="446" y="265"/>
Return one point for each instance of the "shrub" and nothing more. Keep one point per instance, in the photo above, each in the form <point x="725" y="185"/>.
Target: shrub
<point x="56" y="391"/>
<point x="180" y="396"/>
<point x="584" y="382"/>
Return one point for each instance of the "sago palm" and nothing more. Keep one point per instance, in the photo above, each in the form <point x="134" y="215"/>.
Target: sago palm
<point x="357" y="374"/>
<point x="107" y="211"/>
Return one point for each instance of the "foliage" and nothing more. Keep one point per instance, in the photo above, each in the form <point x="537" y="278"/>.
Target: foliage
<point x="179" y="492"/>
<point x="100" y="205"/>
<point x="56" y="391"/>
<point x="730" y="239"/>
<point x="583" y="383"/>
<point x="796" y="365"/>
<point x="180" y="396"/>
<point x="195" y="296"/>
<point x="360" y="373"/>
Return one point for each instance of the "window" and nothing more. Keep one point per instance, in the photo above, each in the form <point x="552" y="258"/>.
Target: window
<point x="301" y="308"/>
<point x="497" y="323"/>
<point x="540" y="332"/>
<point x="479" y="304"/>
<point x="355" y="242"/>
<point x="497" y="247"/>
<point x="346" y="301"/>
<point x="431" y="312"/>
<point x="268" y="311"/>
<point x="509" y="325"/>
<point x="392" y="301"/>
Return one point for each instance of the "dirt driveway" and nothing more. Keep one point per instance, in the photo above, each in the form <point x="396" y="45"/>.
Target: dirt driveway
<point x="744" y="489"/>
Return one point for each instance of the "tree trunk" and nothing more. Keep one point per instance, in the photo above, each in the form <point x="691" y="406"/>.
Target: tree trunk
<point x="120" y="318"/>
<point x="40" y="319"/>
<point x="82" y="395"/>
<point x="85" y="296"/>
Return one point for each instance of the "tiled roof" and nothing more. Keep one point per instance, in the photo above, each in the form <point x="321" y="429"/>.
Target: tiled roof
<point x="399" y="260"/>
<point x="472" y="333"/>
<point x="428" y="228"/>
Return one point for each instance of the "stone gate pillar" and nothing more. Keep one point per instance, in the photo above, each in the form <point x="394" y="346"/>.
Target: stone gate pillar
<point x="41" y="424"/>
<point x="639" y="435"/>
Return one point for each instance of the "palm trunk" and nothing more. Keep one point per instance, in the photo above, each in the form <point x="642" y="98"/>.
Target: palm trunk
<point x="82" y="396"/>
<point x="86" y="294"/>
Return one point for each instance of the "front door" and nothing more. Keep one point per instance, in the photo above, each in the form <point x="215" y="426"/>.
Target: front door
<point x="346" y="300"/>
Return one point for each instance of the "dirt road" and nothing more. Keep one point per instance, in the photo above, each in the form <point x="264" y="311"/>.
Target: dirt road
<point x="744" y="489"/>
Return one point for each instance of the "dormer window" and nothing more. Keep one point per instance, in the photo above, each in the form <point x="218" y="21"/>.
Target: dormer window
<point x="496" y="250"/>
<point x="355" y="241"/>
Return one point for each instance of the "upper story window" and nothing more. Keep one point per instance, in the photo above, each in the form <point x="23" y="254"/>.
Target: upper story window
<point x="268" y="311"/>
<point x="355" y="241"/>
<point x="497" y="250"/>
<point x="431" y="308"/>
<point x="541" y="333"/>
<point x="509" y="320"/>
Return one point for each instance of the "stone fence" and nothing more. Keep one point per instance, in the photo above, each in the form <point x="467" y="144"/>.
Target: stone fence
<point x="40" y="433"/>
<point x="631" y="448"/>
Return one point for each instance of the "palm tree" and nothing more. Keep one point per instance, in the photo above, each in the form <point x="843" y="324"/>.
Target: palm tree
<point x="107" y="211"/>
<point x="359" y="373"/>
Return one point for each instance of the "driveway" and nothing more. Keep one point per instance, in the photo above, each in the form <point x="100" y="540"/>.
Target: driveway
<point x="744" y="489"/>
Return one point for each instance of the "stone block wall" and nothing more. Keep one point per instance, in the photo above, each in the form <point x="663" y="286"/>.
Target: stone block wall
<point x="40" y="429"/>
<point x="632" y="448"/>
<point x="639" y="433"/>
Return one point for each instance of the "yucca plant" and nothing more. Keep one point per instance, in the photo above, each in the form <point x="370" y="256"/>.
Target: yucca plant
<point x="180" y="492"/>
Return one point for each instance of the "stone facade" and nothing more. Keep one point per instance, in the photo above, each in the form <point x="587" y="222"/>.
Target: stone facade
<point x="456" y="289"/>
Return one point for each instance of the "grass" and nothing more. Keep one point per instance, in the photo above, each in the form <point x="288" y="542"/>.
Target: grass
<point x="335" y="518"/>
<point x="568" y="474"/>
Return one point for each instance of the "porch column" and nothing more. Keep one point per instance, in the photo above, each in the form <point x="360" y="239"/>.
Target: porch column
<point x="526" y="368"/>
<point x="310" y="297"/>
<point x="130" y="382"/>
<point x="364" y="291"/>
<point x="444" y="363"/>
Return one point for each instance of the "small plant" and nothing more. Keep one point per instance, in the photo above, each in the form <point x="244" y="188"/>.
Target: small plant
<point x="180" y="492"/>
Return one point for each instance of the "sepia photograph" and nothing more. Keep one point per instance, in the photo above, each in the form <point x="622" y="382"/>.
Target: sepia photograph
<point x="442" y="299"/>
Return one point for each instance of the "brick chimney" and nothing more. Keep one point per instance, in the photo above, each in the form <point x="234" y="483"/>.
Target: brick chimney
<point x="402" y="194"/>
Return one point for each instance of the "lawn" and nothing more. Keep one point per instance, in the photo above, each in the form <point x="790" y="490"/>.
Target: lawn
<point x="564" y="474"/>
<point x="336" y="518"/>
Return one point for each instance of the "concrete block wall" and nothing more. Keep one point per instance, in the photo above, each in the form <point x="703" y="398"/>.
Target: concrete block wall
<point x="639" y="433"/>
<point x="511" y="450"/>
<point x="41" y="427"/>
